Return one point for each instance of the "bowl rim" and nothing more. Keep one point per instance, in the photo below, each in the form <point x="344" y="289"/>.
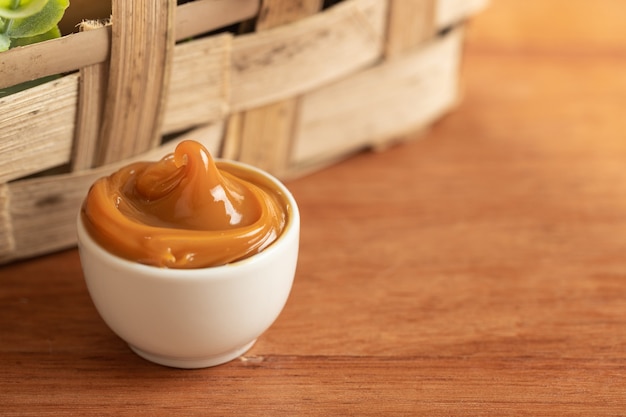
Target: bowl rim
<point x="292" y="227"/>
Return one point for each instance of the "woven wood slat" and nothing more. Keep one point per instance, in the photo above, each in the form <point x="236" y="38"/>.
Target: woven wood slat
<point x="266" y="135"/>
<point x="42" y="59"/>
<point x="266" y="132"/>
<point x="45" y="141"/>
<point x="410" y="24"/>
<point x="449" y="12"/>
<point x="201" y="16"/>
<point x="7" y="242"/>
<point x="199" y="90"/>
<point x="142" y="47"/>
<point x="414" y="88"/>
<point x="277" y="64"/>
<point x="275" y="13"/>
<point x="91" y="98"/>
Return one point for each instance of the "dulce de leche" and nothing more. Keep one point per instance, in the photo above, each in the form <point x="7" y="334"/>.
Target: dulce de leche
<point x="185" y="211"/>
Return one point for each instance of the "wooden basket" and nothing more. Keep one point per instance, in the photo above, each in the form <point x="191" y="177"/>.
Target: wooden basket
<point x="286" y="86"/>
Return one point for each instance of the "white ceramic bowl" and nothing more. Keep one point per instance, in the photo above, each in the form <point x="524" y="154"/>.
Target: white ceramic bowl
<point x="192" y="318"/>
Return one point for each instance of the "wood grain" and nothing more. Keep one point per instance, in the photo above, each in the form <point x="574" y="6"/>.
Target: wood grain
<point x="44" y="142"/>
<point x="478" y="271"/>
<point x="92" y="89"/>
<point x="142" y="49"/>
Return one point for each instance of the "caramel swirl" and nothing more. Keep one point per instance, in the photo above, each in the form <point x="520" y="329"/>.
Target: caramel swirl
<point x="184" y="211"/>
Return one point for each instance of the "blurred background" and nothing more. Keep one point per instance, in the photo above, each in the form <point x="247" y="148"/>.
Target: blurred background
<point x="555" y="68"/>
<point x="572" y="25"/>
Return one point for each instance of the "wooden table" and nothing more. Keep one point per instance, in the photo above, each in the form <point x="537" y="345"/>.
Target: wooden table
<point x="480" y="270"/>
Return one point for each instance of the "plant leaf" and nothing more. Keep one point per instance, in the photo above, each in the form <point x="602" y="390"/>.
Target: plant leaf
<point x="25" y="9"/>
<point x="39" y="23"/>
<point x="5" y="42"/>
<point x="51" y="34"/>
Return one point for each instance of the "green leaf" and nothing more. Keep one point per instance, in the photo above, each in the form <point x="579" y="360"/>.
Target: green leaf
<point x="25" y="86"/>
<point x="51" y="34"/>
<point x="39" y="23"/>
<point x="24" y="9"/>
<point x="5" y="42"/>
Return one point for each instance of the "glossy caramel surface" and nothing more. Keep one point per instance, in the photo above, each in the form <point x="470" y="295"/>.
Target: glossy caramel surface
<point x="184" y="211"/>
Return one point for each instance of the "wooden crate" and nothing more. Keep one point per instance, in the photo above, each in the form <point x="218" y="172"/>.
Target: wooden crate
<point x="289" y="87"/>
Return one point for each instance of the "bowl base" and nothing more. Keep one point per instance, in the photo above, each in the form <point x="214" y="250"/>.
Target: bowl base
<point x="193" y="363"/>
